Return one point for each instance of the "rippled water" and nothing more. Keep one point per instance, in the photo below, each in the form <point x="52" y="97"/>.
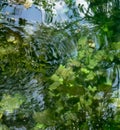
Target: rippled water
<point x="41" y="42"/>
<point x="39" y="48"/>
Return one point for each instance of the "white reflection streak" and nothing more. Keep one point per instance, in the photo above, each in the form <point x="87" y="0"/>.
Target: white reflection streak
<point x="82" y="2"/>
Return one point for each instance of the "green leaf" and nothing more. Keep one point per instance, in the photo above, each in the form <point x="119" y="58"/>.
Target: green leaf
<point x="115" y="46"/>
<point x="54" y="86"/>
<point x="85" y="70"/>
<point x="9" y="104"/>
<point x="92" y="89"/>
<point x="55" y="77"/>
<point x="40" y="126"/>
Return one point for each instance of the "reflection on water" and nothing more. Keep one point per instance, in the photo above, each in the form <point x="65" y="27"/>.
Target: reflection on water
<point x="39" y="49"/>
<point x="36" y="13"/>
<point x="18" y="12"/>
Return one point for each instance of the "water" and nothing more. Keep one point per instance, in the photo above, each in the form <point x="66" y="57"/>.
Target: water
<point x="33" y="44"/>
<point x="17" y="12"/>
<point x="40" y="47"/>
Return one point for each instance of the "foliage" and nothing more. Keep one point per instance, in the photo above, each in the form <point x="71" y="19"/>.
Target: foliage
<point x="108" y="22"/>
<point x="29" y="54"/>
<point x="80" y="95"/>
<point x="8" y="104"/>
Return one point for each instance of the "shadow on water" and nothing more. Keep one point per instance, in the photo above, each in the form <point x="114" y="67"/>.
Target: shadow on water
<point x="31" y="51"/>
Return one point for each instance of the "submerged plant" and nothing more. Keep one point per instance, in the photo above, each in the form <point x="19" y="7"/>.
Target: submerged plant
<point x="80" y="95"/>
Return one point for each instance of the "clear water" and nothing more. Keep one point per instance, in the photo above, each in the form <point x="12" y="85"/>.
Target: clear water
<point x="40" y="47"/>
<point x="41" y="42"/>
